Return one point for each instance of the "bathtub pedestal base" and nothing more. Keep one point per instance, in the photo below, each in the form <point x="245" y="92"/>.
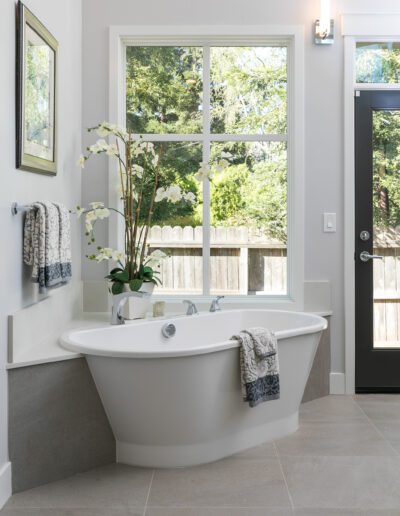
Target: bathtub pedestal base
<point x="153" y="456"/>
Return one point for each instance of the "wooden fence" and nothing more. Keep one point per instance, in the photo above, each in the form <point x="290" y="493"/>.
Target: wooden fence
<point x="387" y="289"/>
<point x="243" y="261"/>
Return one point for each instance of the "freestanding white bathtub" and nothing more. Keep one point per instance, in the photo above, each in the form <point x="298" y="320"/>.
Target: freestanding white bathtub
<point x="177" y="402"/>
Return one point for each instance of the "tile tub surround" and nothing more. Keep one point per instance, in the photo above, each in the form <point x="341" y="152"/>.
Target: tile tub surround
<point x="57" y="424"/>
<point x="318" y="381"/>
<point x="338" y="463"/>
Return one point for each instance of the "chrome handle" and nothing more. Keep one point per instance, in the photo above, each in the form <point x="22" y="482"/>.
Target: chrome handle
<point x="192" y="308"/>
<point x="366" y="257"/>
<point x="215" y="304"/>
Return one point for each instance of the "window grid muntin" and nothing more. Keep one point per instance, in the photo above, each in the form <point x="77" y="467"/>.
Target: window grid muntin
<point x="206" y="138"/>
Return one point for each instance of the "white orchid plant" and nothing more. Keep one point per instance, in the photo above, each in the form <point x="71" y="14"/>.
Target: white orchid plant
<point x="138" y="166"/>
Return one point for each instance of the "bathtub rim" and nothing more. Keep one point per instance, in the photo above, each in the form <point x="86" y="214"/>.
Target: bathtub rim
<point x="317" y="324"/>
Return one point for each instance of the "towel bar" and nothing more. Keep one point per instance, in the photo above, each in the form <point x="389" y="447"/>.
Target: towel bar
<point x="16" y="208"/>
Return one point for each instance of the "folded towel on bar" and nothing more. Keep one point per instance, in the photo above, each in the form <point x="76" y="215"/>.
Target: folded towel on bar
<point x="47" y="244"/>
<point x="259" y="365"/>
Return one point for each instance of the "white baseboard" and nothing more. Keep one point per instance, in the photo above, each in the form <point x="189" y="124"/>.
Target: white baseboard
<point x="337" y="383"/>
<point x="5" y="483"/>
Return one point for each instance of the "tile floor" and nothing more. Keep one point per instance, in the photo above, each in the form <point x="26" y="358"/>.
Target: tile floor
<point x="344" y="460"/>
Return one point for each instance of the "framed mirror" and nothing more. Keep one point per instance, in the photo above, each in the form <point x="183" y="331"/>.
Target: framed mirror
<point x="36" y="95"/>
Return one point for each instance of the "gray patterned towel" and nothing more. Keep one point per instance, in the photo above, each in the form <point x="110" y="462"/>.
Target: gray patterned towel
<point x="259" y="365"/>
<point x="47" y="244"/>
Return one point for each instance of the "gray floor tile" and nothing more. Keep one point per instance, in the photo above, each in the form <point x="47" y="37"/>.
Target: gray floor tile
<point x="330" y="408"/>
<point x="114" y="486"/>
<point x="257" y="452"/>
<point x="328" y="512"/>
<point x="226" y="483"/>
<point x="217" y="511"/>
<point x="390" y="430"/>
<point x="321" y="438"/>
<point x="344" y="482"/>
<point x="344" y="512"/>
<point x="379" y="406"/>
<point x="337" y="463"/>
<point x="72" y="512"/>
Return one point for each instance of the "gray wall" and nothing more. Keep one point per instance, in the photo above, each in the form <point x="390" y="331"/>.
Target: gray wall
<point x="63" y="19"/>
<point x="324" y="111"/>
<point x="57" y="424"/>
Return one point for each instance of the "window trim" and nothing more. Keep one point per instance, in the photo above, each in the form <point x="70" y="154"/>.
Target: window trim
<point x="290" y="36"/>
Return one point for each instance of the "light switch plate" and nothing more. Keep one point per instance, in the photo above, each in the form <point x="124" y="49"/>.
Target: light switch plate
<point x="329" y="222"/>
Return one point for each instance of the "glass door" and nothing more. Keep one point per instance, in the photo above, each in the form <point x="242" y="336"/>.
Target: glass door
<point x="377" y="257"/>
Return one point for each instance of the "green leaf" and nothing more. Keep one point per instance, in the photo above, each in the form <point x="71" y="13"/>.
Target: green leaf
<point x="148" y="274"/>
<point x="135" y="284"/>
<point x="121" y="276"/>
<point x="117" y="269"/>
<point x="117" y="287"/>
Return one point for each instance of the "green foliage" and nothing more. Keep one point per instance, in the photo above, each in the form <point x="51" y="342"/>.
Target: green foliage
<point x="248" y="95"/>
<point x="254" y="192"/>
<point x="120" y="277"/>
<point x="179" y="163"/>
<point x="248" y="89"/>
<point x="378" y="63"/>
<point x="227" y="198"/>
<point x="135" y="284"/>
<point x="117" y="287"/>
<point x="266" y="198"/>
<point x="386" y="167"/>
<point x="164" y="89"/>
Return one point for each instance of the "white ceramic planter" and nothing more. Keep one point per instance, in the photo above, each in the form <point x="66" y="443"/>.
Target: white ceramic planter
<point x="136" y="307"/>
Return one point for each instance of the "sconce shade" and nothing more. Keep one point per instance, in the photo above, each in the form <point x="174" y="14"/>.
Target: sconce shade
<point x="324" y="26"/>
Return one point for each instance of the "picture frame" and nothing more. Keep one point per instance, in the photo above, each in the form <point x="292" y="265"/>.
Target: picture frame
<point x="36" y="95"/>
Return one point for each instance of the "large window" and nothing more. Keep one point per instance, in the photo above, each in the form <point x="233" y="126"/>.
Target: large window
<point x="200" y="104"/>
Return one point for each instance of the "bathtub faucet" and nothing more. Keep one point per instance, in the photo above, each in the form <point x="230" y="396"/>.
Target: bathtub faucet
<point x="192" y="308"/>
<point x="118" y="301"/>
<point x="215" y="304"/>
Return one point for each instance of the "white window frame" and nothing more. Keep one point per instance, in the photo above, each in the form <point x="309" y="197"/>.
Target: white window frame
<point x="292" y="37"/>
<point x="379" y="27"/>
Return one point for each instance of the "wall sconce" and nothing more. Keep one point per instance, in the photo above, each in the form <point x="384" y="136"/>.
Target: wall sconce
<point x="324" y="26"/>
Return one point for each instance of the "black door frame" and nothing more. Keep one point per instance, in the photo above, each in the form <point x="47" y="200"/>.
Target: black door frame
<point x="377" y="370"/>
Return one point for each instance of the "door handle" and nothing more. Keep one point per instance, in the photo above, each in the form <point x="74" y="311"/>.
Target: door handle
<point x="366" y="257"/>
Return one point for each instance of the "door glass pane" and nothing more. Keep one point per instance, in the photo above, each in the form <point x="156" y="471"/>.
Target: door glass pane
<point x="248" y="90"/>
<point x="386" y="219"/>
<point x="164" y="90"/>
<point x="177" y="226"/>
<point x="378" y="62"/>
<point x="249" y="219"/>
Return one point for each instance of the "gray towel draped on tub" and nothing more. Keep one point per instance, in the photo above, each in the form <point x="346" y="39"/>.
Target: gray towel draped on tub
<point x="259" y="365"/>
<point x="47" y="244"/>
